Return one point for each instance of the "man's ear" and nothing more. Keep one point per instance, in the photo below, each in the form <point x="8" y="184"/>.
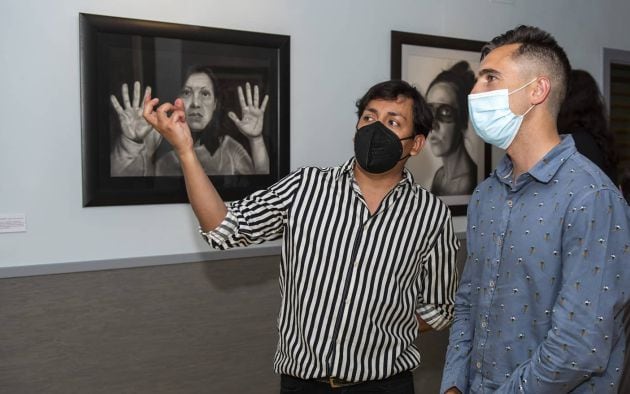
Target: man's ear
<point x="541" y="90"/>
<point x="418" y="143"/>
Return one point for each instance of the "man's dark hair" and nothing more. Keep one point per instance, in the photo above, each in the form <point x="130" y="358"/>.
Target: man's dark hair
<point x="462" y="79"/>
<point x="391" y="90"/>
<point x="539" y="46"/>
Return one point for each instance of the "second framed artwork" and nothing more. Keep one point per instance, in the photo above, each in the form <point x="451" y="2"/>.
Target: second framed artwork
<point x="454" y="159"/>
<point x="235" y="89"/>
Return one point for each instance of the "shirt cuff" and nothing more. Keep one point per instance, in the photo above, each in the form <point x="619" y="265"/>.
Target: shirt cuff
<point x="449" y="384"/>
<point x="455" y="372"/>
<point x="220" y="236"/>
<point x="438" y="319"/>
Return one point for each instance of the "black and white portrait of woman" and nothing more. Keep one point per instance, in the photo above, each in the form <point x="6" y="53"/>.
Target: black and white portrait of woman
<point x="234" y="87"/>
<point x="452" y="161"/>
<point x="447" y="96"/>
<point x="136" y="152"/>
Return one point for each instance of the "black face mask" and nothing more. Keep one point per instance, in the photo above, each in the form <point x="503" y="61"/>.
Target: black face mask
<point x="377" y="149"/>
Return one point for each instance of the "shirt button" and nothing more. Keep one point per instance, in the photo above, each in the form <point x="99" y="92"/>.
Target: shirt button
<point x="478" y="364"/>
<point x="509" y="203"/>
<point x="483" y="324"/>
<point x="491" y="283"/>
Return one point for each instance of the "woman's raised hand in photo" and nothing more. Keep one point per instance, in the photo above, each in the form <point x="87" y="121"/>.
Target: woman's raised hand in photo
<point x="133" y="126"/>
<point x="253" y="114"/>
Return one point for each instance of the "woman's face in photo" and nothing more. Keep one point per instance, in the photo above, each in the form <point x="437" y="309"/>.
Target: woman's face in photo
<point x="445" y="136"/>
<point x="199" y="101"/>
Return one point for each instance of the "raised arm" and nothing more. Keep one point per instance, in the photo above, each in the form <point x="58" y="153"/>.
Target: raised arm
<point x="206" y="202"/>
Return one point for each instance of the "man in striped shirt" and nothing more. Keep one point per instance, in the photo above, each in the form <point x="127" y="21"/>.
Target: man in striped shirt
<point x="368" y="256"/>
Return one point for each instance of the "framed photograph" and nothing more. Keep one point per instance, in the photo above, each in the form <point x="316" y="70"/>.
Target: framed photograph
<point x="454" y="159"/>
<point x="234" y="86"/>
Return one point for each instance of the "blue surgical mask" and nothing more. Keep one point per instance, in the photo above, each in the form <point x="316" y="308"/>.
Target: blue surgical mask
<point x="492" y="118"/>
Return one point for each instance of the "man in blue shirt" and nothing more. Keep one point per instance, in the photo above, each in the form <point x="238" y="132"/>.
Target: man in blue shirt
<point x="540" y="304"/>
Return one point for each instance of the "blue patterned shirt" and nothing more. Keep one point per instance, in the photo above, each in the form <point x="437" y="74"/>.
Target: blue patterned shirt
<point x="539" y="305"/>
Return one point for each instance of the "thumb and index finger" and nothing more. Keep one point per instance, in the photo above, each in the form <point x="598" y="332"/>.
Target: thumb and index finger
<point x="159" y="117"/>
<point x="148" y="109"/>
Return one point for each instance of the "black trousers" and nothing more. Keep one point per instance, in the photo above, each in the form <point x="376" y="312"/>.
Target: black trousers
<point x="401" y="383"/>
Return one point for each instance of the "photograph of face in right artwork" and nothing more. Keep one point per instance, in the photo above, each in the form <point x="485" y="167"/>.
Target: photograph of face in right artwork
<point x="453" y="160"/>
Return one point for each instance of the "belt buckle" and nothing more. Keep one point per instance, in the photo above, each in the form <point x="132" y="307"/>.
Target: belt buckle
<point x="336" y="383"/>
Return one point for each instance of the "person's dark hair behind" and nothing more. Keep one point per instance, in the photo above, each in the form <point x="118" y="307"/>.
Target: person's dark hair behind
<point x="583" y="112"/>
<point x="625" y="184"/>
<point x="391" y="90"/>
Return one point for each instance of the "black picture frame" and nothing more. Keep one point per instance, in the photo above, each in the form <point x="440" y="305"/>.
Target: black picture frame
<point x="116" y="50"/>
<point x="418" y="59"/>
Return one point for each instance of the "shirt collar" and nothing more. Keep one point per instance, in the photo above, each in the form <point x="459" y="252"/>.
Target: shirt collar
<point x="347" y="169"/>
<point x="546" y="168"/>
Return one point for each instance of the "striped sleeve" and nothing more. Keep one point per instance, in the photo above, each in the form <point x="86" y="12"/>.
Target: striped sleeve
<point x="259" y="217"/>
<point x="438" y="279"/>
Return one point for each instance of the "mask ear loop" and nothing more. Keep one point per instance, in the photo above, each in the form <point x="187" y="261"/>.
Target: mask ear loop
<point x="406" y="138"/>
<point x="523" y="87"/>
<point x="526" y="112"/>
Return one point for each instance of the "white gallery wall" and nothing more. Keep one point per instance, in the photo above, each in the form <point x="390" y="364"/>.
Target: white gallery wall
<point x="338" y="49"/>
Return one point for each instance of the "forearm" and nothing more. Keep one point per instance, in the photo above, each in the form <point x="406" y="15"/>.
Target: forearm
<point x="205" y="201"/>
<point x="572" y="352"/>
<point x="545" y="374"/>
<point x="457" y="365"/>
<point x="260" y="156"/>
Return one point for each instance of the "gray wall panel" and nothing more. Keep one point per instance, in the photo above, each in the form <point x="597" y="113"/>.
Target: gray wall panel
<point x="186" y="328"/>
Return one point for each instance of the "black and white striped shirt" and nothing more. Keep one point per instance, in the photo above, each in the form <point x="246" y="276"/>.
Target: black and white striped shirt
<point x="350" y="281"/>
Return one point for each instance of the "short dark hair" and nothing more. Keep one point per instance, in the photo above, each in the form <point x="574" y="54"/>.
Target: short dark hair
<point x="540" y="46"/>
<point x="391" y="90"/>
<point x="462" y="78"/>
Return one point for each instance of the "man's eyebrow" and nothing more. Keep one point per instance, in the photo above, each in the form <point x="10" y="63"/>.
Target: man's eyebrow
<point x="392" y="113"/>
<point x="486" y="71"/>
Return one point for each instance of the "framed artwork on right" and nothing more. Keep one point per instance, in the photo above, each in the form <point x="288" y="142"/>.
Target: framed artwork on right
<point x="454" y="159"/>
